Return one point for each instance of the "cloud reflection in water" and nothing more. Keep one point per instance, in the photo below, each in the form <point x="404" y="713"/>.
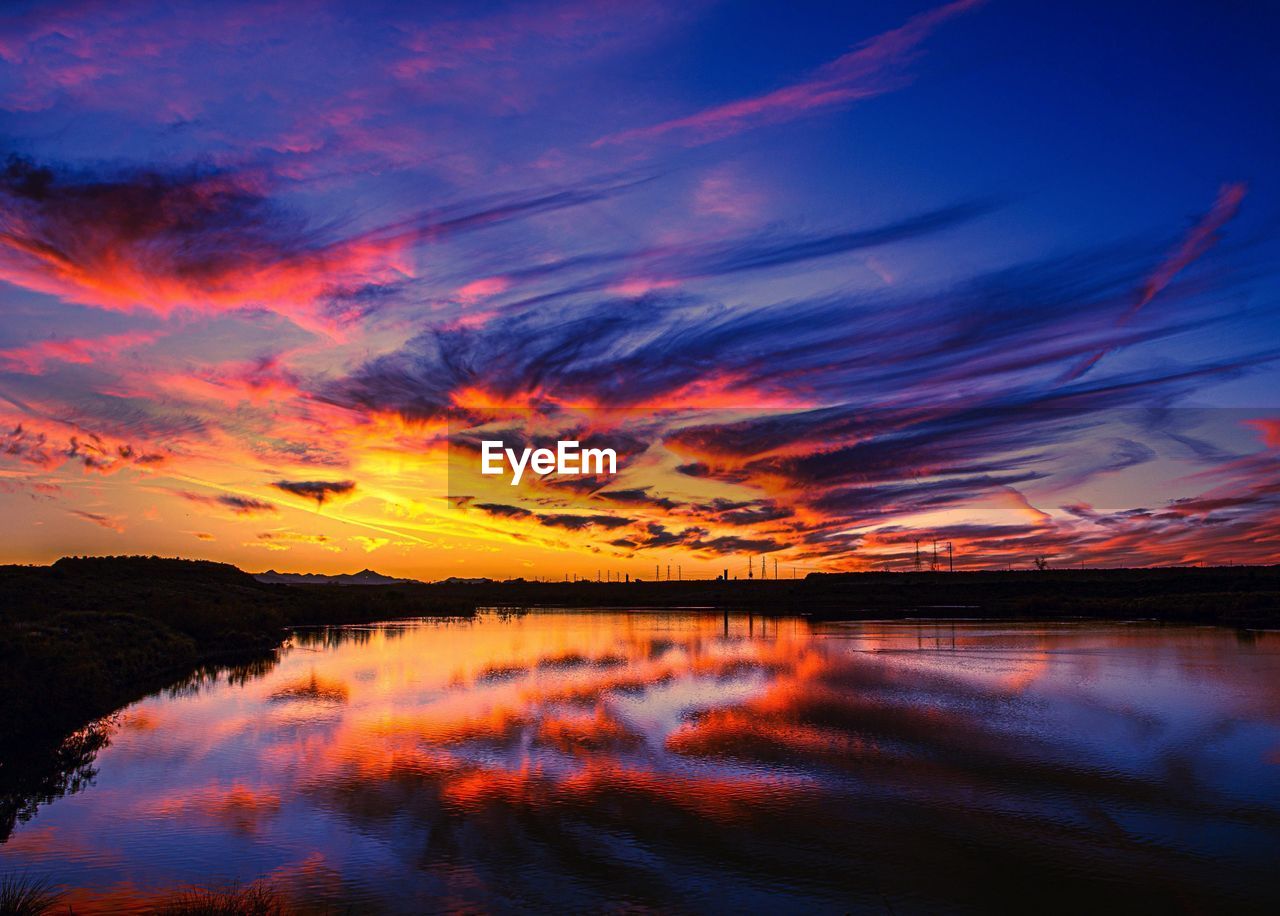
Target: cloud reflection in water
<point x="578" y="761"/>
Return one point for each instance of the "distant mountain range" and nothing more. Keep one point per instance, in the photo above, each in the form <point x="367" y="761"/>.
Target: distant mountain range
<point x="364" y="577"/>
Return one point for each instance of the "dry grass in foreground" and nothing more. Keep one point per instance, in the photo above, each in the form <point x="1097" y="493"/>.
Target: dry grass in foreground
<point x="23" y="895"/>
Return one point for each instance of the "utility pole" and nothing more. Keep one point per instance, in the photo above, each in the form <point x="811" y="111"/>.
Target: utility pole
<point x="951" y="557"/>
<point x="917" y="554"/>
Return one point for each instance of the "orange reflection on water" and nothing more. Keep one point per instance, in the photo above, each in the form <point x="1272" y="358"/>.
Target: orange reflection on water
<point x="593" y="760"/>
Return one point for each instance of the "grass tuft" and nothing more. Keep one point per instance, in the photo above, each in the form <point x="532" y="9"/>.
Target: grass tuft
<point x="23" y="895"/>
<point x="254" y="900"/>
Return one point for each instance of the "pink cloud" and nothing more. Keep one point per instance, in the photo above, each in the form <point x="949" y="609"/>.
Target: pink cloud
<point x="472" y="319"/>
<point x="483" y="289"/>
<point x="639" y="286"/>
<point x="32" y="358"/>
<point x="1199" y="240"/>
<point x="493" y="59"/>
<point x="260" y="381"/>
<point x="873" y="68"/>
<point x="724" y="195"/>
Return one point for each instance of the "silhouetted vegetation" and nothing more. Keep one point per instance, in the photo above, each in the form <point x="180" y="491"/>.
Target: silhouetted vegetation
<point x="23" y="895"/>
<point x="1231" y="596"/>
<point x="27" y="895"/>
<point x="257" y="899"/>
<point x="38" y="773"/>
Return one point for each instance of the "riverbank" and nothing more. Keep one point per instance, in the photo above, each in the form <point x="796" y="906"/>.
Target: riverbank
<point x="85" y="636"/>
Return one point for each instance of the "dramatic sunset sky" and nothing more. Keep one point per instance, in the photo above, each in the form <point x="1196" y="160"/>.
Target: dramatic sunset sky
<point x="841" y="277"/>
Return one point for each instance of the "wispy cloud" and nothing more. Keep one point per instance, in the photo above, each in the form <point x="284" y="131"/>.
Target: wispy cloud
<point x="1196" y="243"/>
<point x="878" y="65"/>
<point x="32" y="358"/>
<point x="110" y="522"/>
<point x="239" y="505"/>
<point x="1003" y="335"/>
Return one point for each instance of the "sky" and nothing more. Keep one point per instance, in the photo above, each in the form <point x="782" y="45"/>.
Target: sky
<point x="837" y="279"/>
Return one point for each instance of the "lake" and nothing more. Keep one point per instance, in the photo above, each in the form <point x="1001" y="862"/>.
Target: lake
<point x="693" y="761"/>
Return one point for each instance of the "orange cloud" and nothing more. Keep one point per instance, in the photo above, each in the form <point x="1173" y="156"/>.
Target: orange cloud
<point x="164" y="244"/>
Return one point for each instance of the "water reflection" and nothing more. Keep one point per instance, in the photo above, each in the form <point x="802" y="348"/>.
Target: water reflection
<point x="32" y="775"/>
<point x="583" y="761"/>
<point x="38" y="777"/>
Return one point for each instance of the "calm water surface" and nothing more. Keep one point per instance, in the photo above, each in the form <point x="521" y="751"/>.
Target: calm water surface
<point x="691" y="762"/>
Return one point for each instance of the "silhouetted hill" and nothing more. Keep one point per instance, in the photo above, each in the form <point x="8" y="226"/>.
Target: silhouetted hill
<point x="209" y="602"/>
<point x="364" y="577"/>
